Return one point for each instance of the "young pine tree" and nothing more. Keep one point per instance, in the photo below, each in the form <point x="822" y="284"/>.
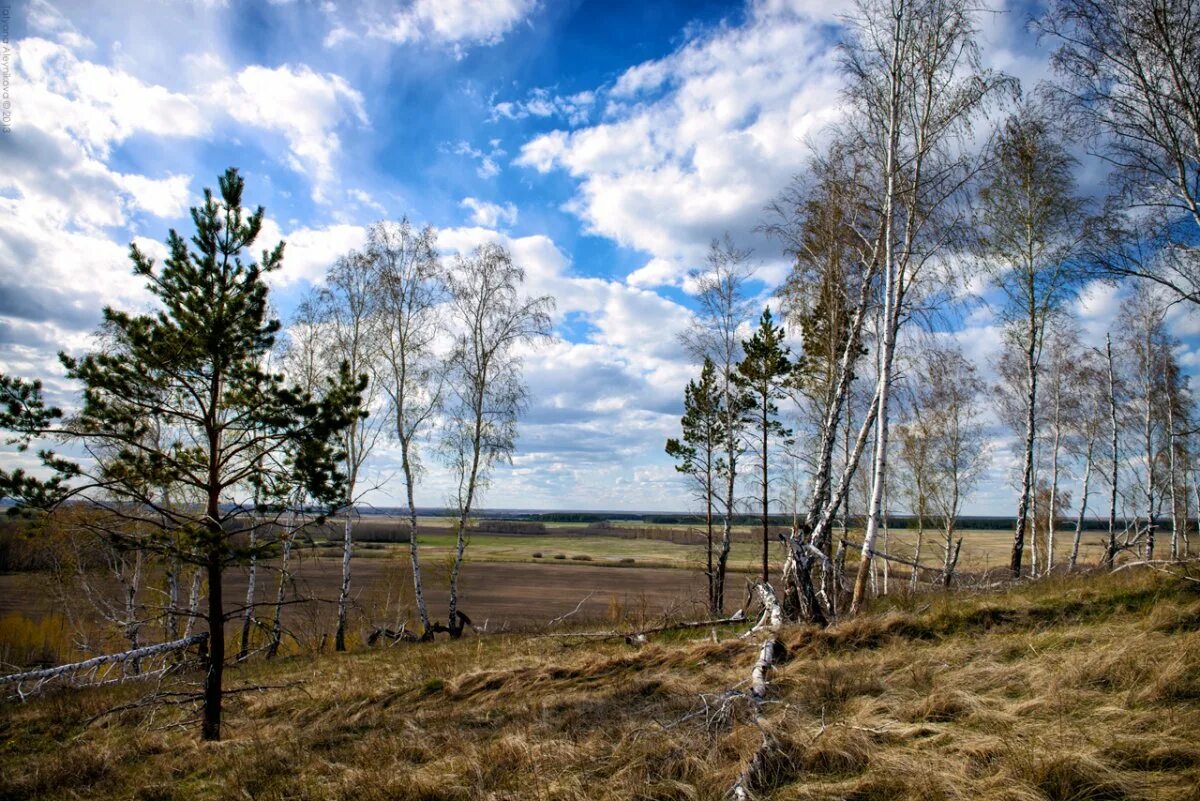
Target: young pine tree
<point x="698" y="453"/>
<point x="229" y="430"/>
<point x="762" y="375"/>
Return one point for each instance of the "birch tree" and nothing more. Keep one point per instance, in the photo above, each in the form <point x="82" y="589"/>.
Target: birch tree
<point x="1089" y="386"/>
<point x="1147" y="346"/>
<point x="958" y="453"/>
<point x="347" y="308"/>
<point x="485" y="394"/>
<point x="1130" y="72"/>
<point x="1031" y="231"/>
<point x="916" y="85"/>
<point x="410" y="287"/>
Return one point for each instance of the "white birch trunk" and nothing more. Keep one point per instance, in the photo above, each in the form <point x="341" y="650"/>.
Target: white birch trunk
<point x="890" y="323"/>
<point x="248" y="612"/>
<point x="280" y="594"/>
<point x="1083" y="502"/>
<point x="1051" y="513"/>
<point x="1173" y="474"/>
<point x="344" y="593"/>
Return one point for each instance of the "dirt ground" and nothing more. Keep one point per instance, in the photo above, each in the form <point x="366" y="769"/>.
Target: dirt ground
<point x="496" y="595"/>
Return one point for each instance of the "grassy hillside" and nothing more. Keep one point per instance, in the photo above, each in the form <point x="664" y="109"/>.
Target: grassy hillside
<point x="1087" y="688"/>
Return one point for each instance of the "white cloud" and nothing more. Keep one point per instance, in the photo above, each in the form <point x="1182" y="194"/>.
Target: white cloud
<point x="488" y="168"/>
<point x="698" y="142"/>
<point x="458" y="23"/>
<point x="97" y="106"/>
<point x="304" y="106"/>
<point x="309" y="251"/>
<point x="162" y="197"/>
<point x="490" y="215"/>
<point x="575" y="109"/>
<point x="656" y="272"/>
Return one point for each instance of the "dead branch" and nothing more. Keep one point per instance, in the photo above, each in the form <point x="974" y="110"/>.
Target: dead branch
<point x="574" y="611"/>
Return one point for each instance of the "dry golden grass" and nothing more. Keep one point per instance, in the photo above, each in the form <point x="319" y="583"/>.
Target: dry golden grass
<point x="1069" y="690"/>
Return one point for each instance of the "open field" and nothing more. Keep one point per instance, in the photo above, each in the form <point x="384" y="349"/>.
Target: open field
<point x="510" y="582"/>
<point x="1080" y="689"/>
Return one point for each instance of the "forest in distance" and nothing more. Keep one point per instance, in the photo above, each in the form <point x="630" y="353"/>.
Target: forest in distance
<point x="191" y="553"/>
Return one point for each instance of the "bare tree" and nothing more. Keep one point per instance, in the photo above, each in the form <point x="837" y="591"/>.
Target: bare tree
<point x="410" y="287"/>
<point x="1147" y="346"/>
<point x="956" y="448"/>
<point x="347" y="311"/>
<point x="1131" y="74"/>
<point x="1030" y="234"/>
<point x="1088" y="385"/>
<point x="483" y="380"/>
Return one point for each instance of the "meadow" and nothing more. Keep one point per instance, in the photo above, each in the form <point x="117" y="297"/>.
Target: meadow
<point x="1075" y="688"/>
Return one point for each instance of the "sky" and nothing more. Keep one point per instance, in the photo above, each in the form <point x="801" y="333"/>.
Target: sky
<point x="605" y="143"/>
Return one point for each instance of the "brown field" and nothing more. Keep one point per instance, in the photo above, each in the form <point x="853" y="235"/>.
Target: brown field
<point x="510" y="582"/>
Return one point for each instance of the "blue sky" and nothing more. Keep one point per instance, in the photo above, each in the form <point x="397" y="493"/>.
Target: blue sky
<point x="605" y="143"/>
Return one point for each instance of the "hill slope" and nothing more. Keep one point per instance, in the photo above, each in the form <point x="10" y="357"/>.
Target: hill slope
<point x="1087" y="688"/>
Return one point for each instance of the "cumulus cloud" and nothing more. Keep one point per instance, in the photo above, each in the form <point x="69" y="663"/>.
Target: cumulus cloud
<point x="456" y="23"/>
<point x="488" y="214"/>
<point x="699" y="141"/>
<point x="309" y="251"/>
<point x="575" y="109"/>
<point x="304" y="106"/>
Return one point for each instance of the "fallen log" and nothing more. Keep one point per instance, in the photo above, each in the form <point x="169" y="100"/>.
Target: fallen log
<point x="771" y="649"/>
<point x="889" y="557"/>
<point x="638" y="637"/>
<point x="46" y="674"/>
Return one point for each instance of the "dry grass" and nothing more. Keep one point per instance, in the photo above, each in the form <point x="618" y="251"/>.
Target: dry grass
<point x="1070" y="690"/>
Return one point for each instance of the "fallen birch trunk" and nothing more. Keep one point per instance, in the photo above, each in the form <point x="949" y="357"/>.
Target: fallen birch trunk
<point x="638" y="637"/>
<point x="771" y="649"/>
<point x="46" y="674"/>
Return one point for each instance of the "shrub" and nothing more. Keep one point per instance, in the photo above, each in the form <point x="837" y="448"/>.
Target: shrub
<point x="581" y="557"/>
<point x="537" y="554"/>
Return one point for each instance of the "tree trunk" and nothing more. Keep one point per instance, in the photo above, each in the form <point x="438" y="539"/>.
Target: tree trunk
<point x="454" y="623"/>
<point x="766" y="517"/>
<point x="1148" y="431"/>
<point x="171" y="629"/>
<point x="891" y="320"/>
<point x="920" y="537"/>
<point x="248" y="613"/>
<point x="1023" y="503"/>
<point x="713" y="607"/>
<point x="280" y="594"/>
<point x="344" y="593"/>
<point x="414" y="554"/>
<point x="1173" y="474"/>
<point x="193" y="604"/>
<point x="1110" y="552"/>
<point x="1083" y="501"/>
<point x="214" y="673"/>
<point x="1051" y="514"/>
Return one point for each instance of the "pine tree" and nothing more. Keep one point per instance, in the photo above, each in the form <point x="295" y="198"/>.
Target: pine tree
<point x="762" y="375"/>
<point x="229" y="430"/>
<point x="698" y="454"/>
